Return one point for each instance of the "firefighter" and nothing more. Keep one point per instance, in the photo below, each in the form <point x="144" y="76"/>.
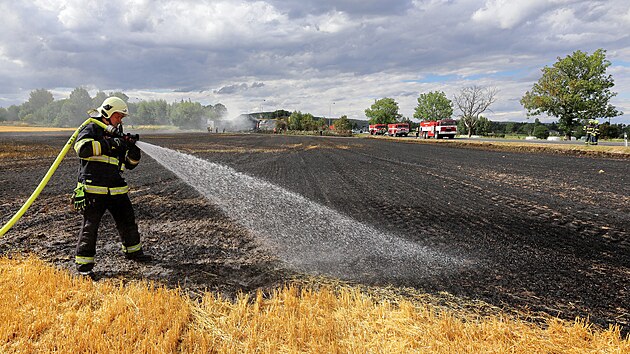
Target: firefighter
<point x="588" y="128"/>
<point x="595" y="132"/>
<point x="103" y="155"/>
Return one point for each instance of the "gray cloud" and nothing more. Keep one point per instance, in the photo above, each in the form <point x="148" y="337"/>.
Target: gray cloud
<point x="302" y="54"/>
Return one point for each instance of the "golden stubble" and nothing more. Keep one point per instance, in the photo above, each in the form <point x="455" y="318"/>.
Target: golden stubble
<point x="45" y="309"/>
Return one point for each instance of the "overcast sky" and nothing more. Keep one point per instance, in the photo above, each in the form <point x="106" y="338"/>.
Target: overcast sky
<point x="318" y="56"/>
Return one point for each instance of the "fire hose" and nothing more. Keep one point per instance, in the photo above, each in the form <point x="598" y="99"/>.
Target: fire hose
<point x="49" y="174"/>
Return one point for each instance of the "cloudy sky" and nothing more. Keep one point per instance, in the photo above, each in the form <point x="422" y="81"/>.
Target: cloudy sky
<point x="323" y="57"/>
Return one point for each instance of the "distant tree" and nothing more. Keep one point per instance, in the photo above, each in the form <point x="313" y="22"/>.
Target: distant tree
<point x="98" y="99"/>
<point x="301" y="121"/>
<point x="383" y="111"/>
<point x="575" y="87"/>
<point x="13" y="113"/>
<point x="220" y="111"/>
<point x="32" y="111"/>
<point x="4" y="114"/>
<point x="433" y="106"/>
<point x="611" y="131"/>
<point x="473" y="101"/>
<point x="510" y="127"/>
<point x="483" y="126"/>
<point x="48" y="114"/>
<point x="74" y="109"/>
<point x="145" y="114"/>
<point x="342" y="124"/>
<point x="188" y="115"/>
<point x="39" y="98"/>
<point x="541" y="131"/>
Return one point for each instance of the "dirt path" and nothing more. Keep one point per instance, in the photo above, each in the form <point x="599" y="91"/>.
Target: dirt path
<point x="545" y="232"/>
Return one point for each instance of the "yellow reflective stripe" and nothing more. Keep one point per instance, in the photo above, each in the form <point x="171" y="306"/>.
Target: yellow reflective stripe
<point x="78" y="144"/>
<point x="132" y="249"/>
<point x="96" y="189"/>
<point x="103" y="158"/>
<point x="96" y="148"/>
<point x="83" y="260"/>
<point x="132" y="161"/>
<point x="105" y="190"/>
<point x="119" y="190"/>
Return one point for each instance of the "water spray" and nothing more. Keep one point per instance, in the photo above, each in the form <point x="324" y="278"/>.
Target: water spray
<point x="303" y="234"/>
<point x="50" y="172"/>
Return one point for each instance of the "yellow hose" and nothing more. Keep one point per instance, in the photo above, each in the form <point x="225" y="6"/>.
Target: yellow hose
<point x="48" y="175"/>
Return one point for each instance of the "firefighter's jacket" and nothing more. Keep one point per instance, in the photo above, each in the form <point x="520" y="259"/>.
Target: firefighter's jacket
<point x="102" y="163"/>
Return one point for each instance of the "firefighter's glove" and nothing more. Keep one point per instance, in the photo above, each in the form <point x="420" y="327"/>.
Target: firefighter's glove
<point x="117" y="144"/>
<point x="78" y="197"/>
<point x="134" y="152"/>
<point x="131" y="138"/>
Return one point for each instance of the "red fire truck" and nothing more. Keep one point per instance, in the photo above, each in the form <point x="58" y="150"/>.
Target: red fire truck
<point x="378" y="129"/>
<point x="398" y="129"/>
<point x="439" y="129"/>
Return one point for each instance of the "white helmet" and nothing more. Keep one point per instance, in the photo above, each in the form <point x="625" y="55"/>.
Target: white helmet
<point x="111" y="105"/>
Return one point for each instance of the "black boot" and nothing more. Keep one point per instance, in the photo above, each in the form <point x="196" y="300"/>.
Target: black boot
<point x="139" y="256"/>
<point x="85" y="270"/>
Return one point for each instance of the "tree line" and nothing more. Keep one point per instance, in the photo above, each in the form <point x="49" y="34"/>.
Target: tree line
<point x="42" y="109"/>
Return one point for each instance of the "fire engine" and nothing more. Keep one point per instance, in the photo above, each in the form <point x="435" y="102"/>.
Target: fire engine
<point x="439" y="129"/>
<point x="398" y="129"/>
<point x="378" y="129"/>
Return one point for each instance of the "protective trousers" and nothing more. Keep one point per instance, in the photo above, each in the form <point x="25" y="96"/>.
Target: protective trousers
<point x="122" y="211"/>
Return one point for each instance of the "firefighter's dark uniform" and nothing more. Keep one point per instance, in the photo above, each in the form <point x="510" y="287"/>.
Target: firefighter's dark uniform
<point x="594" y="134"/>
<point x="100" y="172"/>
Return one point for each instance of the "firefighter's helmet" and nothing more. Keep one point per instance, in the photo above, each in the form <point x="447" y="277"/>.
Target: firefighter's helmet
<point x="111" y="105"/>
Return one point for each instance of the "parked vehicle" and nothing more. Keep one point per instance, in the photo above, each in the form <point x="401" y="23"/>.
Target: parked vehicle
<point x="398" y="129"/>
<point x="439" y="129"/>
<point x="378" y="129"/>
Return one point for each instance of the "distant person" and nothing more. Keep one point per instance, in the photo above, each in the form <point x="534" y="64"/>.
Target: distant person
<point x="103" y="155"/>
<point x="417" y="132"/>
<point x="588" y="128"/>
<point x="595" y="132"/>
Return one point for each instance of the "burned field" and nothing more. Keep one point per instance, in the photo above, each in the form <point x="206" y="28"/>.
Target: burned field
<point x="528" y="231"/>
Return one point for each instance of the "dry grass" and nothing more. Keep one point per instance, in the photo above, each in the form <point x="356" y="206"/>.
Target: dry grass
<point x="20" y="151"/>
<point x="47" y="310"/>
<point x="29" y="129"/>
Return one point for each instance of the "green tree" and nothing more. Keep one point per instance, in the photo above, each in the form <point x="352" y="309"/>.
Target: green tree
<point x="483" y="126"/>
<point x="13" y="113"/>
<point x="383" y="111"/>
<point x="4" y="114"/>
<point x="433" y="106"/>
<point x="151" y="113"/>
<point x="611" y="131"/>
<point x="301" y="121"/>
<point x="342" y="124"/>
<point x="39" y="98"/>
<point x="188" y="115"/>
<point x="74" y="109"/>
<point x="541" y="131"/>
<point x="575" y="87"/>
